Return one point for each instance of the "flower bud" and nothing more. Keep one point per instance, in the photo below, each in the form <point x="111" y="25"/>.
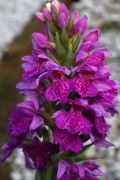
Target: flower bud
<point x="41" y="39"/>
<point x="48" y="6"/>
<point x="40" y="16"/>
<point x="62" y="20"/>
<point x="92" y="36"/>
<point x="55" y="6"/>
<point x="64" y="9"/>
<point x="47" y="14"/>
<point x="81" y="25"/>
<point x="75" y="16"/>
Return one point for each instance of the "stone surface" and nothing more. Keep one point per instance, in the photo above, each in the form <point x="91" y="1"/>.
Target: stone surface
<point x="14" y="15"/>
<point x="19" y="172"/>
<point x="99" y="11"/>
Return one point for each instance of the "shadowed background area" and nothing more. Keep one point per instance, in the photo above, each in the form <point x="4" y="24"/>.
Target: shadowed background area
<point x="15" y="42"/>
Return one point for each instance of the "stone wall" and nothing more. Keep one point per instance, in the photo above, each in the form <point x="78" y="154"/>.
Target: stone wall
<point x="14" y="15"/>
<point x="99" y="11"/>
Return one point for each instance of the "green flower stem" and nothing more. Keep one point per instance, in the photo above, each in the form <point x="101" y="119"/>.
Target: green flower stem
<point x="60" y="50"/>
<point x="38" y="176"/>
<point x="48" y="174"/>
<point x="76" y="43"/>
<point x="81" y="155"/>
<point x="60" y="156"/>
<point x="69" y="28"/>
<point x="69" y="57"/>
<point x="47" y="116"/>
<point x="51" y="108"/>
<point x="44" y="175"/>
<point x="64" y="37"/>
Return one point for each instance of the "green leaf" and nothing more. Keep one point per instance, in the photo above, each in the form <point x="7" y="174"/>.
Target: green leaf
<point x="76" y="43"/>
<point x="60" y="50"/>
<point x="70" y="25"/>
<point x="48" y="174"/>
<point x="81" y="155"/>
<point x="54" y="16"/>
<point x="64" y="37"/>
<point x="48" y="118"/>
<point x="38" y="176"/>
<point x="51" y="36"/>
<point x="69" y="57"/>
<point x="52" y="27"/>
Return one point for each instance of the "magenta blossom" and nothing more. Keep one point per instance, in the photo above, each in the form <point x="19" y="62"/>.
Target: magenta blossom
<point x="37" y="154"/>
<point x="87" y="170"/>
<point x="67" y="141"/>
<point x="73" y="121"/>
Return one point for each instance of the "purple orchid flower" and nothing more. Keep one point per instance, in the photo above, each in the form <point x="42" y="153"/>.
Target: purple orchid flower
<point x="37" y="154"/>
<point x="73" y="121"/>
<point x="84" y="87"/>
<point x="86" y="170"/>
<point x="67" y="141"/>
<point x="60" y="88"/>
<point x="29" y="109"/>
<point x="24" y="120"/>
